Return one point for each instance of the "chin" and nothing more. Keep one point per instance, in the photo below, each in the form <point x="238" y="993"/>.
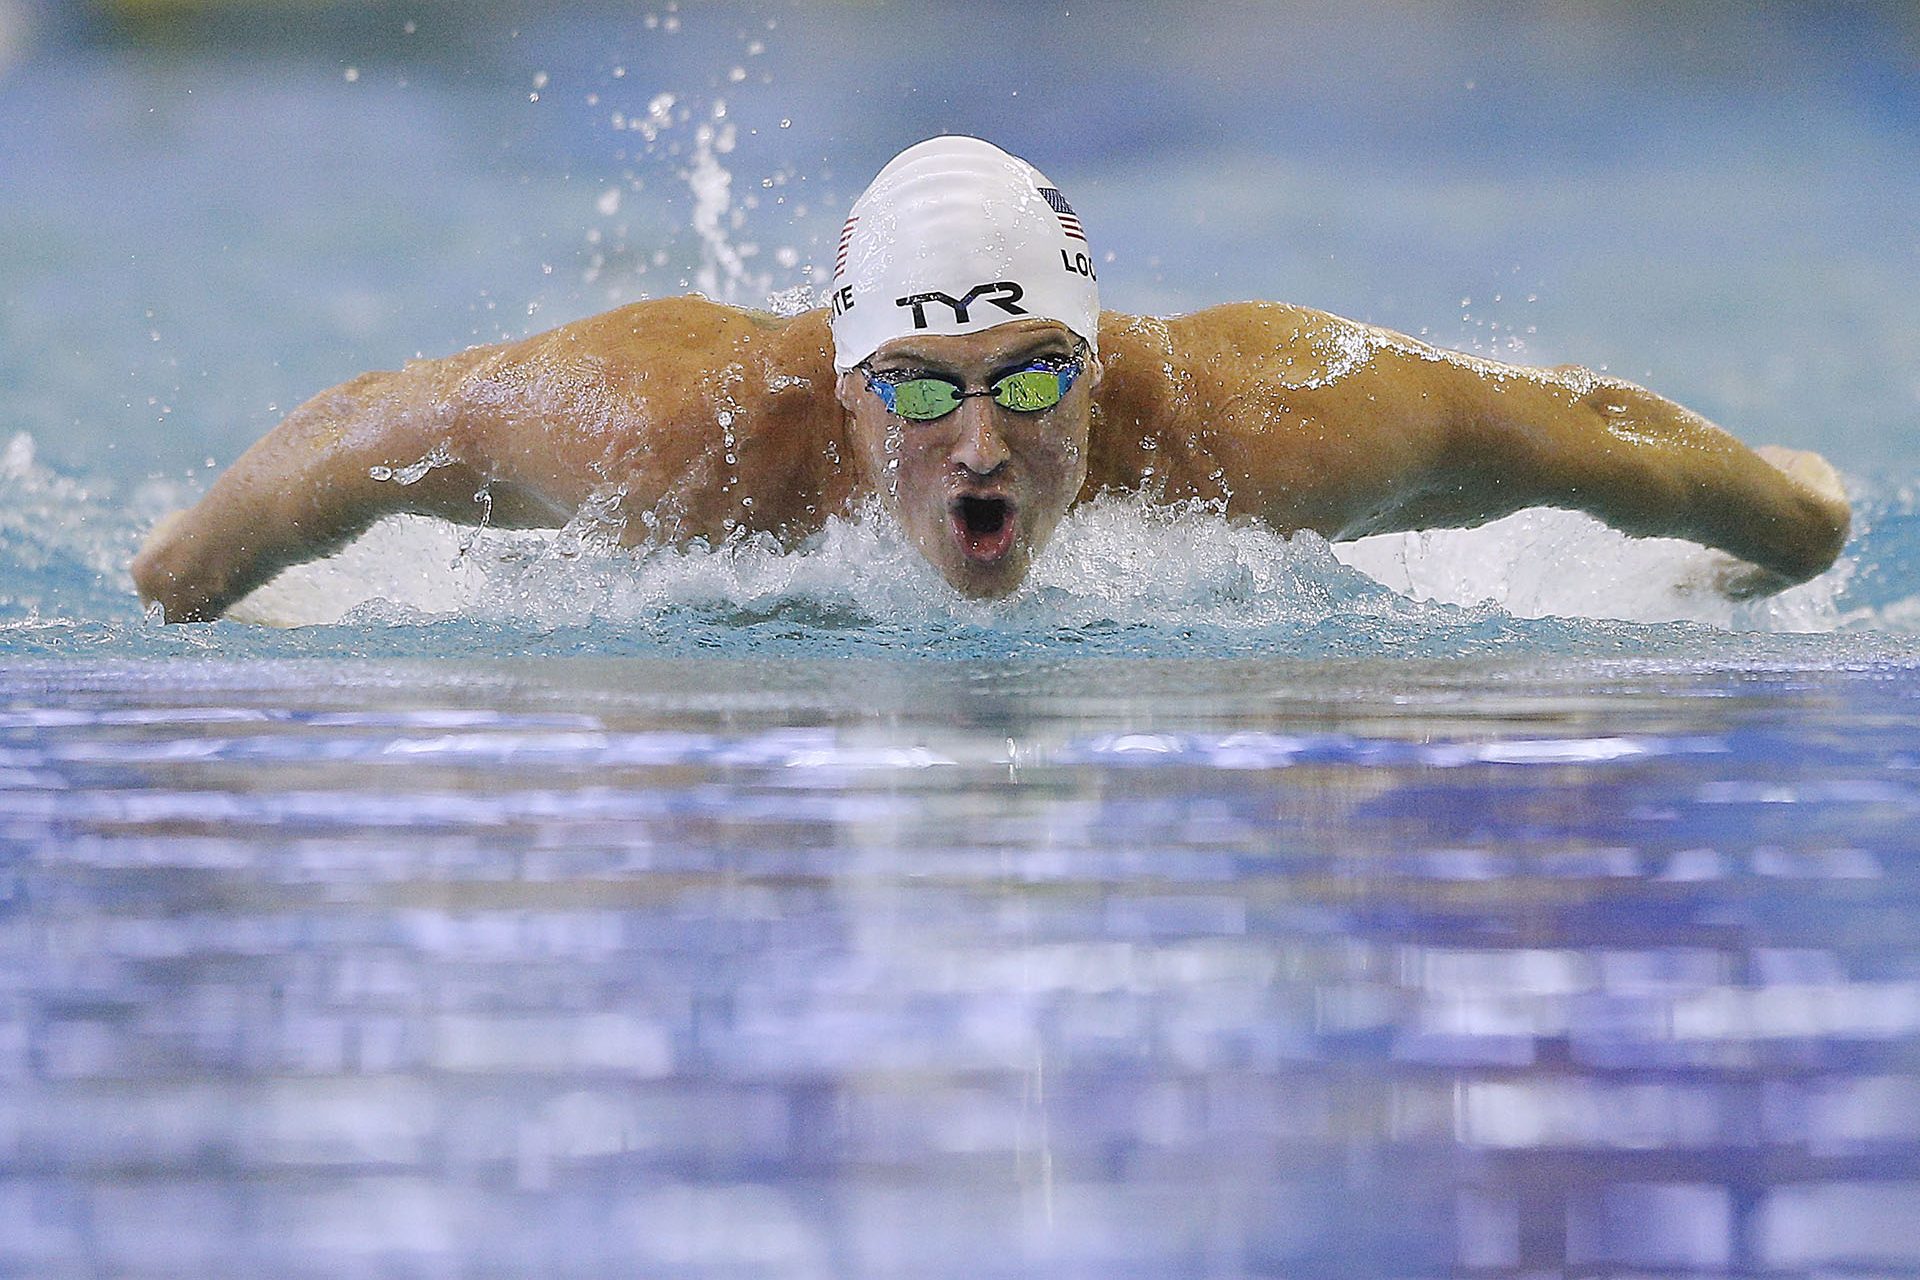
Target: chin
<point x="995" y="582"/>
<point x="979" y="578"/>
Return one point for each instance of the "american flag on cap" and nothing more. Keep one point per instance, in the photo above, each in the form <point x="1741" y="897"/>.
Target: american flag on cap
<point x="1063" y="211"/>
<point x="846" y="238"/>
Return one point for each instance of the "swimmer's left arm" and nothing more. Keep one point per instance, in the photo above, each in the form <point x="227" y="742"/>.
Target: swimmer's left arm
<point x="1379" y="433"/>
<point x="1568" y="438"/>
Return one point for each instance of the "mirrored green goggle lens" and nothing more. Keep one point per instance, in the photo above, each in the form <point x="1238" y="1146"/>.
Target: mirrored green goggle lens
<point x="1029" y="391"/>
<point x="925" y="398"/>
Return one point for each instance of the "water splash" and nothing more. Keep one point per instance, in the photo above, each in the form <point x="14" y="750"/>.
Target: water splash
<point x="722" y="274"/>
<point x="416" y="471"/>
<point x="65" y="543"/>
<point x="1168" y="574"/>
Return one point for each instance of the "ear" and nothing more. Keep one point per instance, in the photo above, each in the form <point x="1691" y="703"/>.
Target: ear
<point x="847" y="388"/>
<point x="1095" y="372"/>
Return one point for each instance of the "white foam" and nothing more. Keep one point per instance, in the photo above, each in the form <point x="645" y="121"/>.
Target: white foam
<point x="1121" y="561"/>
<point x="1543" y="563"/>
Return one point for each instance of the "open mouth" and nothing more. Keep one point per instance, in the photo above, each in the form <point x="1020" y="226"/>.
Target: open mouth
<point x="984" y="527"/>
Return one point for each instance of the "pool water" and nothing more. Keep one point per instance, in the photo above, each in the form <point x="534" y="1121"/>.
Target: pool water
<point x="1488" y="902"/>
<point x="717" y="966"/>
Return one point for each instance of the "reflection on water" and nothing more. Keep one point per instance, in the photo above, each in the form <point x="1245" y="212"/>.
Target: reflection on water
<point x="1099" y="969"/>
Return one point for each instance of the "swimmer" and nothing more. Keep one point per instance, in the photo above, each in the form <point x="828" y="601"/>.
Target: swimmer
<point x="965" y="375"/>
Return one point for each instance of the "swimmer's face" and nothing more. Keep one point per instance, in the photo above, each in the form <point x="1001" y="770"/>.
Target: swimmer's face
<point x="980" y="490"/>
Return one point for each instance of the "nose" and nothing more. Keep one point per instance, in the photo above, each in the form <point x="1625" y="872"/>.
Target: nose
<point x="980" y="449"/>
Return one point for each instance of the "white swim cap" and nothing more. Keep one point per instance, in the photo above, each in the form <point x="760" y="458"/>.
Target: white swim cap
<point x="954" y="236"/>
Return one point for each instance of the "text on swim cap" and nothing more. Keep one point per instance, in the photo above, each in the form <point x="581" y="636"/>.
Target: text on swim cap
<point x="1009" y="293"/>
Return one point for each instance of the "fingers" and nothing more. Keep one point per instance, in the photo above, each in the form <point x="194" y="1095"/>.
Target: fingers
<point x="1807" y="467"/>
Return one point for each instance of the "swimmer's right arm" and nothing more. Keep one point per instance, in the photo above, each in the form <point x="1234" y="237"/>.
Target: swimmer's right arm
<point x="680" y="404"/>
<point x="313" y="483"/>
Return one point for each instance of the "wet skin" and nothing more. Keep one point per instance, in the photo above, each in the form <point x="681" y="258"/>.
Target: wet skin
<point x="691" y="420"/>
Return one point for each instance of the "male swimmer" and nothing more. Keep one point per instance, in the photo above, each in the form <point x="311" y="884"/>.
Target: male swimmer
<point x="965" y="375"/>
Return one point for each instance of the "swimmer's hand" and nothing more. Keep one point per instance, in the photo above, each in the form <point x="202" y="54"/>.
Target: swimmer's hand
<point x="154" y="574"/>
<point x="1736" y="579"/>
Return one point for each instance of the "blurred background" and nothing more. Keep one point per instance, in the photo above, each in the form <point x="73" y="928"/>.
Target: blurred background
<point x="209" y="211"/>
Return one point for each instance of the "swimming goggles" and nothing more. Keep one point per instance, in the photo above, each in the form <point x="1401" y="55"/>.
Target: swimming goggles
<point x="1040" y="385"/>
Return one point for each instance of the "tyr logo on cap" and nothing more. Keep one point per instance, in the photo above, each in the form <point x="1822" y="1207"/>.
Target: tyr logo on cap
<point x="945" y="214"/>
<point x="1009" y="293"/>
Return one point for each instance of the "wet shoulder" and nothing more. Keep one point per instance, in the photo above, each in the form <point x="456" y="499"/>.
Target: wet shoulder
<point x="1161" y="367"/>
<point x="691" y="334"/>
<point x="1274" y="343"/>
<point x="1208" y="404"/>
<point x="676" y="354"/>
